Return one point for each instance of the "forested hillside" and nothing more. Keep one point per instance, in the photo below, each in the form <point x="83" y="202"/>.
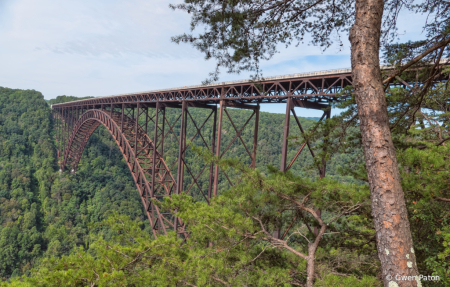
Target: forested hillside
<point x="95" y="221"/>
<point x="45" y="213"/>
<point x="42" y="212"/>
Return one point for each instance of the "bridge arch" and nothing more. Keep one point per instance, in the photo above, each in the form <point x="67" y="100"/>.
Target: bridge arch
<point x="150" y="173"/>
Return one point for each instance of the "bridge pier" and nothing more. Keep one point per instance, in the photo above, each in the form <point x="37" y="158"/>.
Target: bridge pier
<point x="219" y="141"/>
<point x="290" y="108"/>
<point x="291" y="103"/>
<point x="219" y="153"/>
<point x="213" y="144"/>
<point x="145" y="155"/>
<point x="182" y="148"/>
<point x="132" y="121"/>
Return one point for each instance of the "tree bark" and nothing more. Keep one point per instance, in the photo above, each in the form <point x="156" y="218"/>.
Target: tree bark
<point x="310" y="268"/>
<point x="394" y="241"/>
<point x="312" y="249"/>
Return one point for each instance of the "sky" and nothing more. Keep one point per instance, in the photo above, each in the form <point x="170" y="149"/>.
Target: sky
<point x="106" y="47"/>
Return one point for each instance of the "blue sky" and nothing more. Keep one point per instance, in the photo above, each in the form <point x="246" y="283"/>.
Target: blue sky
<point x="107" y="47"/>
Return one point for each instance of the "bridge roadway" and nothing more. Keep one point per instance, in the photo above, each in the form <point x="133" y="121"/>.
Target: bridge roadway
<point x="140" y="127"/>
<point x="317" y="86"/>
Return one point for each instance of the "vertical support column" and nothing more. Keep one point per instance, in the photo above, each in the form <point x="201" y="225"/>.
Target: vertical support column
<point x="154" y="167"/>
<point x="287" y="121"/>
<point x="59" y="133"/>
<point x="161" y="145"/>
<point x="111" y="111"/>
<point x="69" y="131"/>
<point x="146" y="118"/>
<point x="75" y="120"/>
<point x="284" y="150"/>
<point x="323" y="168"/>
<point x="213" y="142"/>
<point x="63" y="135"/>
<point x="64" y="113"/>
<point x="181" y="151"/>
<point x="98" y="130"/>
<point x="69" y="123"/>
<point x="69" y="120"/>
<point x="65" y="130"/>
<point x="136" y="130"/>
<point x="121" y="122"/>
<point x="76" y="113"/>
<point x="219" y="138"/>
<point x="56" y="126"/>
<point x="255" y="138"/>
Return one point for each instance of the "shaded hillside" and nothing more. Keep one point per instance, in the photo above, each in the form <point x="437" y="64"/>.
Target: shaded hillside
<point x="43" y="212"/>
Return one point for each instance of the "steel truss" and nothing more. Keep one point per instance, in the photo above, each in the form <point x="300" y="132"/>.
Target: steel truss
<point x="141" y="127"/>
<point x="141" y="131"/>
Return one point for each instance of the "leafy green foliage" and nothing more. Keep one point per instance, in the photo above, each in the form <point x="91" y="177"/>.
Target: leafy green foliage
<point x="339" y="281"/>
<point x="45" y="213"/>
<point x="42" y="212"/>
<point x="242" y="223"/>
<point x="230" y="242"/>
<point x="56" y="228"/>
<point x="239" y="34"/>
<point x="63" y="99"/>
<point x="419" y="121"/>
<point x="125" y="255"/>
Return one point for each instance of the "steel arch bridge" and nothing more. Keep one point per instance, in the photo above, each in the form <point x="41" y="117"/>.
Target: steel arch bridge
<point x="140" y="126"/>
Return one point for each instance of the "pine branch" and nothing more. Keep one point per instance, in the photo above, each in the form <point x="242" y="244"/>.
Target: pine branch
<point x="220" y="280"/>
<point x="442" y="199"/>
<point x="438" y="45"/>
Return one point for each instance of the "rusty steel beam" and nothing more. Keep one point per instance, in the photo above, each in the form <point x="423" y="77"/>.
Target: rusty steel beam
<point x="155" y="140"/>
<point x="184" y="171"/>
<point x="255" y="138"/>
<point x="317" y="87"/>
<point x="220" y="153"/>
<point x="323" y="168"/>
<point x="314" y="88"/>
<point x="181" y="148"/>
<point x="284" y="145"/>
<point x="290" y="108"/>
<point x="201" y="135"/>
<point x="122" y="115"/>
<point x="219" y="141"/>
<point x="211" y="169"/>
<point x="305" y="91"/>
<point x="139" y="158"/>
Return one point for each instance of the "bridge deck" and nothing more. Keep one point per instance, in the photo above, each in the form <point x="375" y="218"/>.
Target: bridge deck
<point x="147" y="125"/>
<point x="318" y="87"/>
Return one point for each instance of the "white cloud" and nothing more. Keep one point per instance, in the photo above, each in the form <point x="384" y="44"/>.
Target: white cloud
<point x="98" y="48"/>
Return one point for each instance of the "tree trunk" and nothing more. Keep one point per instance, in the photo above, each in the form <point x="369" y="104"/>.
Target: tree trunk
<point x="394" y="241"/>
<point x="310" y="268"/>
<point x="312" y="249"/>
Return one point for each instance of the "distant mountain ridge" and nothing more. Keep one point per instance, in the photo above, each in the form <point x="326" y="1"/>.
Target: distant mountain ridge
<point x="312" y="118"/>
